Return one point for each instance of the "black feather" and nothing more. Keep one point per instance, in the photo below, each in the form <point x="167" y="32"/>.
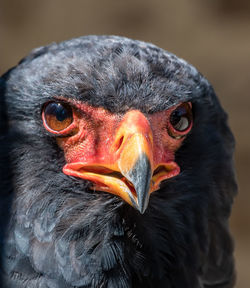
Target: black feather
<point x="61" y="234"/>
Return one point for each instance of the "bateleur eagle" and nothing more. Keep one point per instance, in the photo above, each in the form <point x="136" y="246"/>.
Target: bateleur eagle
<point x="118" y="158"/>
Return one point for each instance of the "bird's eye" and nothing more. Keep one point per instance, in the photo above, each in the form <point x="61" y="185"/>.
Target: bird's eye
<point x="181" y="118"/>
<point x="57" y="116"/>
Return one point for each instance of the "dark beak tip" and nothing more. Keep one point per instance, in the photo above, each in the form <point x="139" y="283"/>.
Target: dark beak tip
<point x="142" y="210"/>
<point x="142" y="205"/>
<point x="139" y="208"/>
<point x="140" y="176"/>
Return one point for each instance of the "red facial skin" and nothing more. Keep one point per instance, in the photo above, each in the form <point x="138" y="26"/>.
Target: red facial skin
<point x="98" y="137"/>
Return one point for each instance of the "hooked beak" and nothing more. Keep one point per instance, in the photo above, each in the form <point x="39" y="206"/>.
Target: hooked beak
<point x="129" y="170"/>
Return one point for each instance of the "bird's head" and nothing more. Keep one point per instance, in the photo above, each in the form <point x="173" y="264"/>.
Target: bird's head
<point x="124" y="116"/>
<point x="98" y="117"/>
<point x="118" y="114"/>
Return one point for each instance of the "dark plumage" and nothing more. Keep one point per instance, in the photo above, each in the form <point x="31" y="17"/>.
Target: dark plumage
<point x="62" y="233"/>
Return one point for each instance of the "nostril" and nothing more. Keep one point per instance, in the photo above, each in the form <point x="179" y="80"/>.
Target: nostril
<point x="119" y="143"/>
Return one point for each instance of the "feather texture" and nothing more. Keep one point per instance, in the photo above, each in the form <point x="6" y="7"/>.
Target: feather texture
<point x="61" y="233"/>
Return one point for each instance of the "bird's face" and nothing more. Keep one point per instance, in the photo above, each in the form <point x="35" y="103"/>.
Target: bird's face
<point x="119" y="113"/>
<point x="98" y="117"/>
<point x="127" y="154"/>
<point x="114" y="114"/>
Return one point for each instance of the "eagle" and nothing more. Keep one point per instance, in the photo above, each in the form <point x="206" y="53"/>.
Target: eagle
<point x="117" y="158"/>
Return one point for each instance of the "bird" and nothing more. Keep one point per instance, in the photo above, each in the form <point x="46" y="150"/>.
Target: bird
<point x="120" y="171"/>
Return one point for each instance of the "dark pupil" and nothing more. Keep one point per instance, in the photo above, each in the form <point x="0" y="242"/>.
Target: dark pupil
<point x="59" y="111"/>
<point x="177" y="115"/>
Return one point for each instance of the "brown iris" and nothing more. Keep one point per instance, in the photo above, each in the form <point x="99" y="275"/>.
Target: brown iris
<point x="57" y="116"/>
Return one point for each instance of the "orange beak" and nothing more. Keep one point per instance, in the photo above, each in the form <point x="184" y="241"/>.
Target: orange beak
<point x="128" y="169"/>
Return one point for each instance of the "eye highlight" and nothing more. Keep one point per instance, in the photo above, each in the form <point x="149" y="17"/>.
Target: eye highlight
<point x="181" y="119"/>
<point x="57" y="116"/>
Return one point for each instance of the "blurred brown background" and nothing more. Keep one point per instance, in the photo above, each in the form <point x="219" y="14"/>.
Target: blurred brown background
<point x="213" y="35"/>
